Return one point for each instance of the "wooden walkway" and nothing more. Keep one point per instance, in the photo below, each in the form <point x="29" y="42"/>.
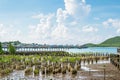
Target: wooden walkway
<point x="36" y="49"/>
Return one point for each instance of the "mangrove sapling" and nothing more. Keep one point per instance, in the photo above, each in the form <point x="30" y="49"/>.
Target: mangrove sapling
<point x="68" y="67"/>
<point x="13" y="66"/>
<point x="47" y="70"/>
<point x="2" y="73"/>
<point x="36" y="72"/>
<point x="77" y="66"/>
<point x="63" y="71"/>
<point x="74" y="71"/>
<point x="5" y="72"/>
<point x="92" y="60"/>
<point x="79" y="61"/>
<point x="20" y="67"/>
<point x="96" y="59"/>
<point x="28" y="71"/>
<point x="88" y="60"/>
<point x="50" y="69"/>
<point x="55" y="71"/>
<point x="106" y="58"/>
<point x="43" y="71"/>
<point x="102" y="58"/>
<point x="37" y="66"/>
<point x="84" y="60"/>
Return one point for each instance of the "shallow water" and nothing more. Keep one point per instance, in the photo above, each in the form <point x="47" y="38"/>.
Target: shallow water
<point x="19" y="75"/>
<point x="100" y="75"/>
<point x="87" y="69"/>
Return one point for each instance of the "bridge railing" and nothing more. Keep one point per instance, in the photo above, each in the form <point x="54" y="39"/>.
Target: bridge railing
<point x="35" y="49"/>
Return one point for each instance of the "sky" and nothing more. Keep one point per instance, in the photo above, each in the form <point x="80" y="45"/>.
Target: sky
<point x="59" y="21"/>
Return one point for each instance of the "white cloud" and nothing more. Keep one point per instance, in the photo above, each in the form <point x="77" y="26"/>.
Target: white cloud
<point x="114" y="23"/>
<point x="9" y="33"/>
<point x="61" y="15"/>
<point x="89" y="29"/>
<point x="118" y="31"/>
<point x="2" y="31"/>
<point x="42" y="29"/>
<point x="60" y="32"/>
<point x="77" y="8"/>
<point x="59" y="27"/>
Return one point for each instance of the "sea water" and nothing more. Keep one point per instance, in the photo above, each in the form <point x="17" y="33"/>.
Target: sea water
<point x="94" y="50"/>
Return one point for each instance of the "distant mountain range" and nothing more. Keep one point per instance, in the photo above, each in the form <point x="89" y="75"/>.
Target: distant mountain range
<point x="111" y="42"/>
<point x="20" y="44"/>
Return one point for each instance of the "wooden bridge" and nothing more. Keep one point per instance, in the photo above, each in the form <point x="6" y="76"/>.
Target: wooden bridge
<point x="36" y="49"/>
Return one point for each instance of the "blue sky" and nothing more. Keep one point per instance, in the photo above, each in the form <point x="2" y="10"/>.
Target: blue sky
<point x="59" y="21"/>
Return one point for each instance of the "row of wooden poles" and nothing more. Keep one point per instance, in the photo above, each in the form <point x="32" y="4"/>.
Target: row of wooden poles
<point x="115" y="60"/>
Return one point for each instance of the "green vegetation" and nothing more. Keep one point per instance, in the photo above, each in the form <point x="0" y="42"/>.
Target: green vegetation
<point x="89" y="45"/>
<point x="12" y="42"/>
<point x="1" y="51"/>
<point x="112" y="42"/>
<point x="28" y="71"/>
<point x="57" y="62"/>
<point x="11" y="49"/>
<point x="36" y="72"/>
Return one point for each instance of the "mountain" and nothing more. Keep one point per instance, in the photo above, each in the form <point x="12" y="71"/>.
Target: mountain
<point x="111" y="42"/>
<point x="89" y="45"/>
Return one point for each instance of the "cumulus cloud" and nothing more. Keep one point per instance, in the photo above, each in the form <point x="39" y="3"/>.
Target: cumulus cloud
<point x="89" y="29"/>
<point x="2" y="30"/>
<point x="118" y="30"/>
<point x="42" y="29"/>
<point x="59" y="26"/>
<point x="115" y="23"/>
<point x="61" y="16"/>
<point x="8" y="33"/>
<point x="66" y="25"/>
<point x="77" y="8"/>
<point x="60" y="31"/>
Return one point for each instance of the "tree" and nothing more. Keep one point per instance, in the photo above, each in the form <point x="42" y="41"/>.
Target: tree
<point x="1" y="51"/>
<point x="11" y="49"/>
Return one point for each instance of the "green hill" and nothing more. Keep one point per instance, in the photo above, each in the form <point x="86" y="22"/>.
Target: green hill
<point x="89" y="45"/>
<point x="111" y="42"/>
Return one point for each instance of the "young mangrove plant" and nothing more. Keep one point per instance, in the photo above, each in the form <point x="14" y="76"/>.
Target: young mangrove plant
<point x="28" y="71"/>
<point x="36" y="72"/>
